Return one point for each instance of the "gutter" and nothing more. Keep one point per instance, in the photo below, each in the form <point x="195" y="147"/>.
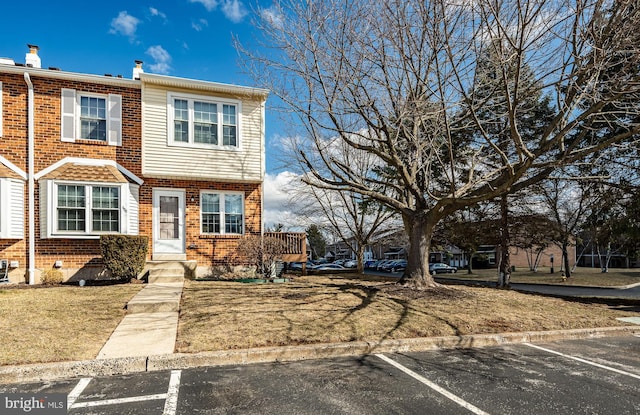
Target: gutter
<point x="31" y="184"/>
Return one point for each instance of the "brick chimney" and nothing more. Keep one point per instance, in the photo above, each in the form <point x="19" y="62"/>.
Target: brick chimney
<point x="32" y="59"/>
<point x="137" y="70"/>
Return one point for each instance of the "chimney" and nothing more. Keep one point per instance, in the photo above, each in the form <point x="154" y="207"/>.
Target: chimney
<point x="32" y="59"/>
<point x="137" y="70"/>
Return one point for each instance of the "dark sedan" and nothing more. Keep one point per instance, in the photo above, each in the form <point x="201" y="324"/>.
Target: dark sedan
<point x="440" y="268"/>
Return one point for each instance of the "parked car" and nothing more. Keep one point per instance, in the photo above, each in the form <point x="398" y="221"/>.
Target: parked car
<point x="298" y="265"/>
<point x="440" y="268"/>
<point x="381" y="264"/>
<point x="350" y="263"/>
<point x="397" y="266"/>
<point x="370" y="264"/>
<point x="328" y="267"/>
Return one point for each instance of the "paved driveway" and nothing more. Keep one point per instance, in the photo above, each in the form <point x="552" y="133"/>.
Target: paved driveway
<point x="595" y="376"/>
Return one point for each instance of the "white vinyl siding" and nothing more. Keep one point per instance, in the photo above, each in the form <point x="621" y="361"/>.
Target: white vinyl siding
<point x="87" y="209"/>
<point x="101" y="119"/>
<point x="11" y="208"/>
<point x="228" y="163"/>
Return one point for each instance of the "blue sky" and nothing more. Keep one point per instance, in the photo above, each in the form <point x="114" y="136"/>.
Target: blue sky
<point x="185" y="38"/>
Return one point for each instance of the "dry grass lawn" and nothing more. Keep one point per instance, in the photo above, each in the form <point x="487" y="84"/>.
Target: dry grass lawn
<point x="581" y="276"/>
<point x="320" y="309"/>
<point x="48" y="324"/>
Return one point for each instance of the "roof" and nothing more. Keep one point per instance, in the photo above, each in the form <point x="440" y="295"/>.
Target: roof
<point x="87" y="173"/>
<point x="172" y="81"/>
<point x="7" y="173"/>
<point x="90" y="170"/>
<point x="10" y="170"/>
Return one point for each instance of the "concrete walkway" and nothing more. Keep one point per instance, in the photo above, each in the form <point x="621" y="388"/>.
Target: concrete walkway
<point x="151" y="323"/>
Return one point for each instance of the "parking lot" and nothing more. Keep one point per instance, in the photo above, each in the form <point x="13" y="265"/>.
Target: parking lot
<point x="594" y="376"/>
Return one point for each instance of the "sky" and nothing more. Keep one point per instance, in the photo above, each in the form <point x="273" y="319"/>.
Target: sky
<point x="183" y="38"/>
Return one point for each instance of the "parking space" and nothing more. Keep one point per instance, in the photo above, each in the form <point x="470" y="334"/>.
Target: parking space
<point x="595" y="376"/>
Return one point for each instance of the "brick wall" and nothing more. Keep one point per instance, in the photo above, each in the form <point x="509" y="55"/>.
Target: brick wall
<point x="203" y="248"/>
<point x="77" y="253"/>
<point x="50" y="149"/>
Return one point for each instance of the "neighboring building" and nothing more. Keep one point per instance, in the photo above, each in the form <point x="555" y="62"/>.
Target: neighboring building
<point x="180" y="161"/>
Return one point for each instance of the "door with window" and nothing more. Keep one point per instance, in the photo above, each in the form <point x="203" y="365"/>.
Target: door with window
<point x="168" y="224"/>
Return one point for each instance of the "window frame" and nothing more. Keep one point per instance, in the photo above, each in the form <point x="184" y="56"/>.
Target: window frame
<point x="222" y="212"/>
<point x="191" y="99"/>
<point x="88" y="208"/>
<point x="105" y="98"/>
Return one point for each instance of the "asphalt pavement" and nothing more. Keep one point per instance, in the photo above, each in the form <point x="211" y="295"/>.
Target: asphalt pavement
<point x="587" y="376"/>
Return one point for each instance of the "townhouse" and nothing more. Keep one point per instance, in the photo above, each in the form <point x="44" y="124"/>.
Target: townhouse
<point x="178" y="160"/>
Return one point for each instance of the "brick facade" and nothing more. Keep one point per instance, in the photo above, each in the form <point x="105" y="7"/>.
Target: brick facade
<point x="85" y="253"/>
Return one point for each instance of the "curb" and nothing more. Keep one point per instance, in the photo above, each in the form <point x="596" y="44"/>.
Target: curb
<point x="127" y="365"/>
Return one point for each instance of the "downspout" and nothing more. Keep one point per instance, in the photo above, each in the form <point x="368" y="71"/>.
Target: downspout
<point x="31" y="185"/>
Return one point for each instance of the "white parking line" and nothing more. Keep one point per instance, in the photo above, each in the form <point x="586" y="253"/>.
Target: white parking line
<point x="433" y="386"/>
<point x="171" y="404"/>
<point x="75" y="393"/>
<point x="120" y="400"/>
<point x="612" y="369"/>
<point x="171" y="397"/>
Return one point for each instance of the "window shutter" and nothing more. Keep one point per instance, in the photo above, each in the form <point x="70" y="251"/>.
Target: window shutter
<point x="17" y="209"/>
<point x="133" y="195"/>
<point x="45" y="189"/>
<point x="68" y="112"/>
<point x="114" y="120"/>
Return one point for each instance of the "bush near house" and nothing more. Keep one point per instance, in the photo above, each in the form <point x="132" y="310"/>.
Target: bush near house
<point x="51" y="277"/>
<point x="124" y="255"/>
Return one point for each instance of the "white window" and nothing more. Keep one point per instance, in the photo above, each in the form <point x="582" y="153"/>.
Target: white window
<point x="89" y="116"/>
<point x="87" y="208"/>
<point x="222" y="213"/>
<point x="202" y="121"/>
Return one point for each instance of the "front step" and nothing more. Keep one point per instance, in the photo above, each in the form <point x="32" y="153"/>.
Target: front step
<point x="170" y="271"/>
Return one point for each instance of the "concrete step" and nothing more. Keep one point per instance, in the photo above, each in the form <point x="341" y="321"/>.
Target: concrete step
<point x="157" y="298"/>
<point x="170" y="271"/>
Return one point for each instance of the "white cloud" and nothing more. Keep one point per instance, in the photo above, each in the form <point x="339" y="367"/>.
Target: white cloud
<point x="158" y="13"/>
<point x="208" y="4"/>
<point x="124" y="24"/>
<point x="272" y="16"/>
<point x="199" y="25"/>
<point x="233" y="10"/>
<point x="162" y="59"/>
<point x="278" y="206"/>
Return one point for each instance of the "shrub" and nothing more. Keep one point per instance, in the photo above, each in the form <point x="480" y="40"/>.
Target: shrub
<point x="124" y="255"/>
<point x="51" y="277"/>
<point x="261" y="252"/>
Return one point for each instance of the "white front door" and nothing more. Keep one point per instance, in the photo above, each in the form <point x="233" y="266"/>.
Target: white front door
<point x="168" y="223"/>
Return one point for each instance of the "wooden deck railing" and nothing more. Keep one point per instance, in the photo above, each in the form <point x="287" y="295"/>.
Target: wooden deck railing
<point x="296" y="245"/>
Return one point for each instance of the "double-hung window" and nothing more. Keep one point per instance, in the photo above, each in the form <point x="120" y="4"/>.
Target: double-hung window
<point x="202" y="121"/>
<point x="93" y="118"/>
<point x="87" y="208"/>
<point x="222" y="213"/>
<point x="90" y="116"/>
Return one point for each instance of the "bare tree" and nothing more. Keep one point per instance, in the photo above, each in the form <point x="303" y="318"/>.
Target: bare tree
<point x="396" y="79"/>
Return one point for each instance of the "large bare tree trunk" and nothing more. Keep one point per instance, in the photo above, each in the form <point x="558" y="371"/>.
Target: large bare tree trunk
<point x="420" y="231"/>
<point x="504" y="280"/>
